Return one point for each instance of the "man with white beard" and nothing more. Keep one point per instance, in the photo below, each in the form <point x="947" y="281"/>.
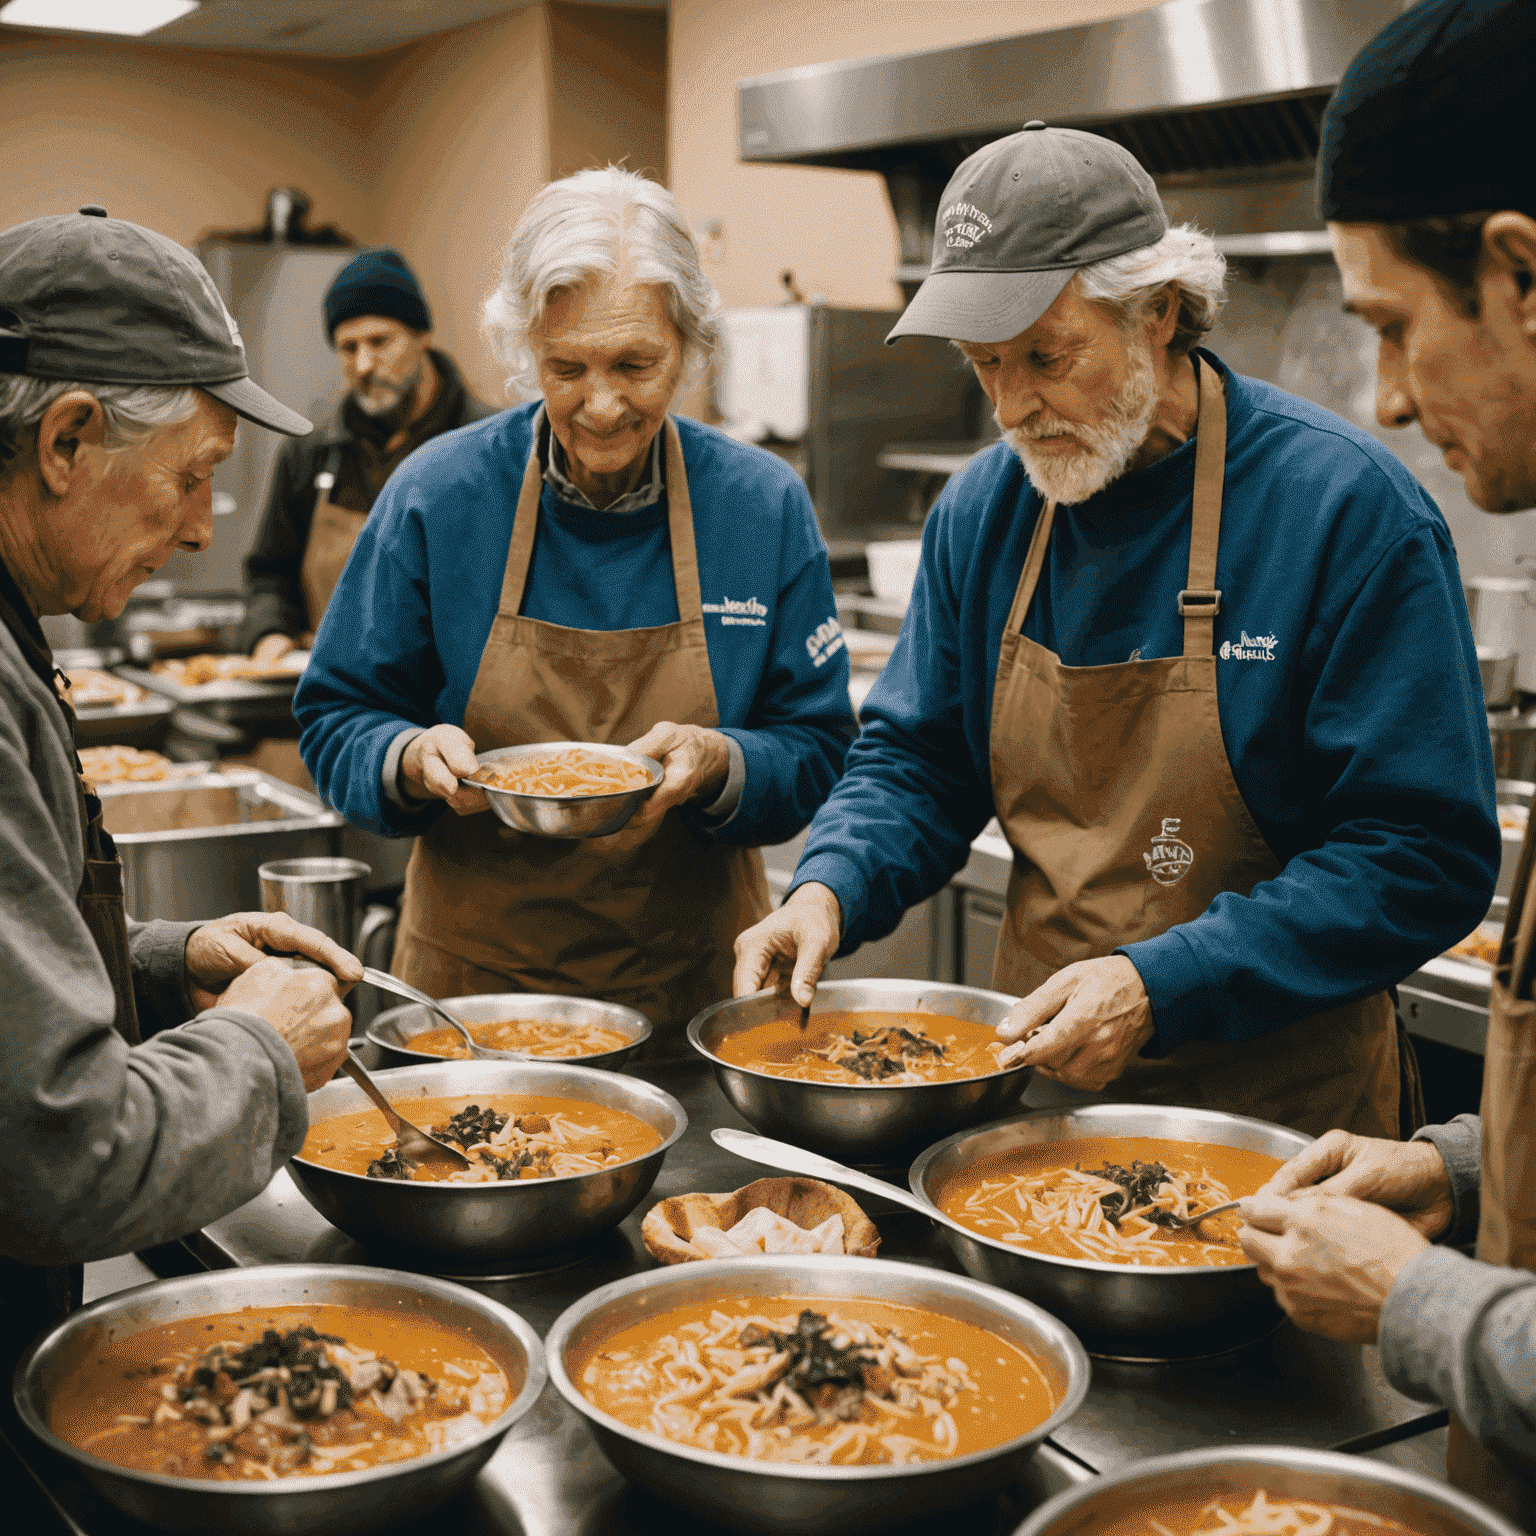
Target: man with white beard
<point x="1200" y="646"/>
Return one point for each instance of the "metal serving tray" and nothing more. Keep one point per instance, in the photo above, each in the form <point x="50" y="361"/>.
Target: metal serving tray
<point x="239" y="701"/>
<point x="191" y="847"/>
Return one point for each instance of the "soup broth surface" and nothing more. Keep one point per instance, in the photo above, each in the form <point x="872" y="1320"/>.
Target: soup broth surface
<point x="203" y="1397"/>
<point x="510" y="1135"/>
<point x="867" y="1048"/>
<point x="832" y="1380"/>
<point x="533" y="1037"/>
<point x="1249" y="1512"/>
<point x="1099" y="1197"/>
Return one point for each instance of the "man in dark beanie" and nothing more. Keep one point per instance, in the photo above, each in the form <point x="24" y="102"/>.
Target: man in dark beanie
<point x="1431" y="202"/>
<point x="401" y="392"/>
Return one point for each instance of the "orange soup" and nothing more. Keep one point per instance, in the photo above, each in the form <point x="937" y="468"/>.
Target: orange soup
<point x="509" y="1136"/>
<point x="572" y="772"/>
<point x="1253" y="1512"/>
<point x="867" y="1049"/>
<point x="280" y="1392"/>
<point x="1109" y="1198"/>
<point x="533" y="1037"/>
<point x="841" y="1382"/>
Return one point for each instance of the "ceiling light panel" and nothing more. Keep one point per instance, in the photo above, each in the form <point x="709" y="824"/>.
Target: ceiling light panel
<point x="127" y="18"/>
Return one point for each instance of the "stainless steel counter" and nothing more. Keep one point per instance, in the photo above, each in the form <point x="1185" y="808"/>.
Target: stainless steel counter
<point x="549" y="1478"/>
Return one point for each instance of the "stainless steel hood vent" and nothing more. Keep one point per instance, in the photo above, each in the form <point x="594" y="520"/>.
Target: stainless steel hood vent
<point x="1206" y="93"/>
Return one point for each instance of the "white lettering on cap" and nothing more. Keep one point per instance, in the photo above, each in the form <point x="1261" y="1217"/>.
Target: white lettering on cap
<point x="964" y="225"/>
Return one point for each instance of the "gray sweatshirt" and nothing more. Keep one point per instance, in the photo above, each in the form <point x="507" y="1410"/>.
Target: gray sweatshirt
<point x="110" y="1147"/>
<point x="1460" y="1332"/>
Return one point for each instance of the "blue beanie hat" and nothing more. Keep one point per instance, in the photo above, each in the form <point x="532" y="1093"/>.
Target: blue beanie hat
<point x="1432" y="117"/>
<point x="376" y="283"/>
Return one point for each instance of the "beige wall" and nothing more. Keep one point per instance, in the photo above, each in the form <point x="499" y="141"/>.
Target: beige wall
<point x="832" y="228"/>
<point x="457" y="142"/>
<point x="178" y="139"/>
<point x="608" y="88"/>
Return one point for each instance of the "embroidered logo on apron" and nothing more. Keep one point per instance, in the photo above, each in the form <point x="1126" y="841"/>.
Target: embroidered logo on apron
<point x="1171" y="857"/>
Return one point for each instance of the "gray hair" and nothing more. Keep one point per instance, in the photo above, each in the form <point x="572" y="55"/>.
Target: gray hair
<point x="576" y="230"/>
<point x="1129" y="284"/>
<point x="132" y="412"/>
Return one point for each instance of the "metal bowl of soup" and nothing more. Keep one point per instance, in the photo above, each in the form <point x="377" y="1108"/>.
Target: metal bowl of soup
<point x="1174" y="1490"/>
<point x="393" y="1030"/>
<point x="341" y="1503"/>
<point x="869" y="1123"/>
<point x="1115" y="1308"/>
<point x="482" y="1223"/>
<point x="565" y="815"/>
<point x="806" y="1497"/>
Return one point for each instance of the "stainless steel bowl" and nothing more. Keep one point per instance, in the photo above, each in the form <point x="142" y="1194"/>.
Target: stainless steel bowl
<point x="565" y="815"/>
<point x="337" y="1503"/>
<point x="1117" y="1309"/>
<point x="865" y="1122"/>
<point x="1423" y="1505"/>
<point x="483" y="1222"/>
<point x="392" y="1030"/>
<point x="766" y="1496"/>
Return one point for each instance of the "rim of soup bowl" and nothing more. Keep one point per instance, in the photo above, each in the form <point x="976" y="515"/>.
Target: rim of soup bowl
<point x="1078" y="1367"/>
<point x="446" y="1290"/>
<point x="1156" y="1273"/>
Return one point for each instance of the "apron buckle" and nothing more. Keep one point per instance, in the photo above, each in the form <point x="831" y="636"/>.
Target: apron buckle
<point x="1199" y="604"/>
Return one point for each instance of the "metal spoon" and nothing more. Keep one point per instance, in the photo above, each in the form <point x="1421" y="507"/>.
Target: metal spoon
<point x="1194" y="1221"/>
<point x="414" y="1145"/>
<point x="387" y="983"/>
<point x="780" y="1154"/>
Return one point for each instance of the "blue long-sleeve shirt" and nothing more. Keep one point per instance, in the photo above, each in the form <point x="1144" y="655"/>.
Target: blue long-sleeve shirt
<point x="1347" y="690"/>
<point x="402" y="639"/>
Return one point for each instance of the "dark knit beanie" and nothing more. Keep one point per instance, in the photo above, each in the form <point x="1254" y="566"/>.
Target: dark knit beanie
<point x="1434" y="117"/>
<point x="376" y="283"/>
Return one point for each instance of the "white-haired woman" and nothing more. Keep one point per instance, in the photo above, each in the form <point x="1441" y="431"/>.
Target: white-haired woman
<point x="1172" y="633"/>
<point x="586" y="568"/>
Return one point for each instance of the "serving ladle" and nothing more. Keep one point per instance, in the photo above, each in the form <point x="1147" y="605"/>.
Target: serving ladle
<point x="791" y="1159"/>
<point x="387" y="983"/>
<point x="414" y="1145"/>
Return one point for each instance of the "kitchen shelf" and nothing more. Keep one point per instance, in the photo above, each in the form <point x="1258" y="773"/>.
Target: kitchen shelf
<point x="1278" y="242"/>
<point x="928" y="458"/>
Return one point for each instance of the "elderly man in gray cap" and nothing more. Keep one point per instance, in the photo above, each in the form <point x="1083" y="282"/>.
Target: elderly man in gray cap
<point x="1434" y="225"/>
<point x="1179" y="633"/>
<point x="124" y="1125"/>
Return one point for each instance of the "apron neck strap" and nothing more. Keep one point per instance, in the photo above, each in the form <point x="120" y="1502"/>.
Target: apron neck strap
<point x="525" y="522"/>
<point x="1200" y="602"/>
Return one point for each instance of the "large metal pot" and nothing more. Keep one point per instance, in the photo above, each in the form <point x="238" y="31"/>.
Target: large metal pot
<point x="1286" y="1471"/>
<point x="1117" y="1309"/>
<point x="866" y="1122"/>
<point x="339" y="1503"/>
<point x="799" y="1497"/>
<point x="482" y="1222"/>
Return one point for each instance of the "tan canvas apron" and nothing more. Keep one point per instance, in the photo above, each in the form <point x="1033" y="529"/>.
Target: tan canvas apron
<point x="652" y="926"/>
<point x="1113" y="787"/>
<point x="332" y="532"/>
<point x="1506" y="1232"/>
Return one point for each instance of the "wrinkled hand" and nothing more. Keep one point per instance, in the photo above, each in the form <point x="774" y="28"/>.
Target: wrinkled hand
<point x="696" y="762"/>
<point x="304" y="1006"/>
<point x="432" y="765"/>
<point x="799" y="938"/>
<point x="1330" y="1260"/>
<point x="271" y="648"/>
<point x="1408" y="1177"/>
<point x="219" y="951"/>
<point x="1083" y="1025"/>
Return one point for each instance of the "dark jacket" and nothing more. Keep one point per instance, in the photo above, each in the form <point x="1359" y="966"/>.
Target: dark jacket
<point x="274" y="593"/>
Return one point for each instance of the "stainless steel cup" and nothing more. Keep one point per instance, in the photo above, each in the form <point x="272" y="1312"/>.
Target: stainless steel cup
<point x="327" y="894"/>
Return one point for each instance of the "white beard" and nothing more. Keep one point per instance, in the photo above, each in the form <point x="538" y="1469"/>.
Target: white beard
<point x="1107" y="446"/>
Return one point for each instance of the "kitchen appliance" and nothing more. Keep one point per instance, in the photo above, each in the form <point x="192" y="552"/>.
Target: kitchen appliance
<point x="274" y="291"/>
<point x="1221" y="101"/>
<point x="323" y="893"/>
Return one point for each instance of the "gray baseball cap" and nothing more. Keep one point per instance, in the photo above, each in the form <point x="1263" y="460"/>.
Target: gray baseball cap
<point x="101" y="301"/>
<point x="1017" y="219"/>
